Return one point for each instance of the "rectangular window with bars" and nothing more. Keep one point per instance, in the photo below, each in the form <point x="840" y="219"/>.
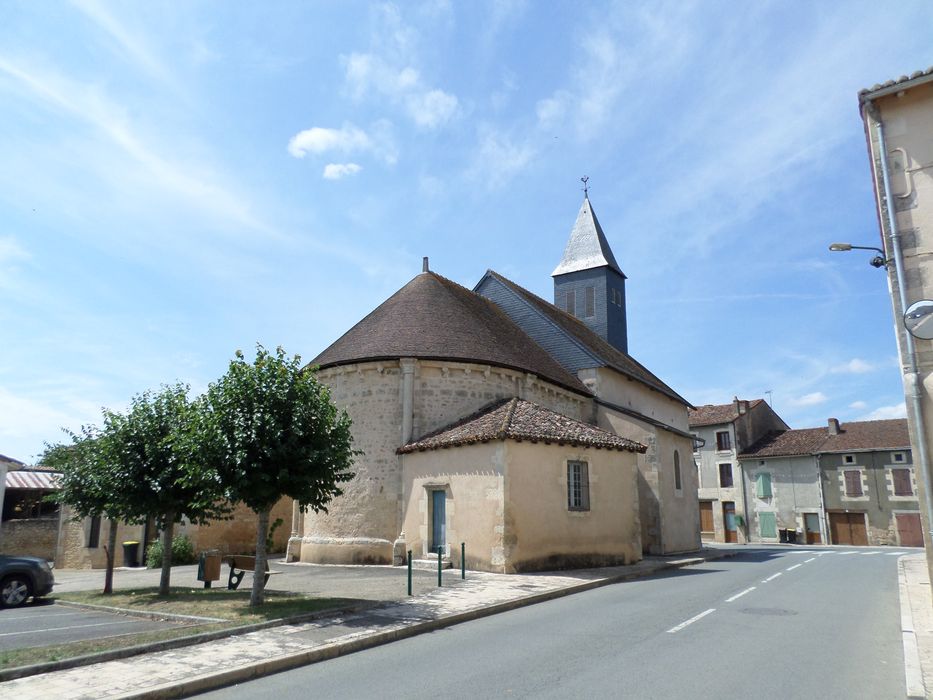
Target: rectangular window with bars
<point x="902" y="485"/>
<point x="853" y="478"/>
<point x="578" y="486"/>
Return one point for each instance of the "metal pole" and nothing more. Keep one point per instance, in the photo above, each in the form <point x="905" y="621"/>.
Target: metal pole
<point x="409" y="572"/>
<point x="439" y="583"/>
<point x="463" y="560"/>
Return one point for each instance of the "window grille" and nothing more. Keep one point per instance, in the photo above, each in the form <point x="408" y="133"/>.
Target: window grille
<point x="578" y="486"/>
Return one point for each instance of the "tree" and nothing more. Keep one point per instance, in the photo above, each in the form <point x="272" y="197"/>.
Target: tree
<point x="147" y="463"/>
<point x="86" y="484"/>
<point x="274" y="433"/>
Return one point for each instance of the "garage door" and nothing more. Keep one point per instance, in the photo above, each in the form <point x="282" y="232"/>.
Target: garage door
<point x="848" y="528"/>
<point x="909" y="533"/>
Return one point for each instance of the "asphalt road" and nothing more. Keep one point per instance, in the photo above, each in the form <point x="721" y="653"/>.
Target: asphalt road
<point x="45" y="623"/>
<point x="776" y="623"/>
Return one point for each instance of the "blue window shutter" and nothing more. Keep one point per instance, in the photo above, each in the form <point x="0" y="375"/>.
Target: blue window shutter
<point x="763" y="485"/>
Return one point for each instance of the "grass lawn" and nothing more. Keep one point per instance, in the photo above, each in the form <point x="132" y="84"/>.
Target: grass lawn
<point x="230" y="606"/>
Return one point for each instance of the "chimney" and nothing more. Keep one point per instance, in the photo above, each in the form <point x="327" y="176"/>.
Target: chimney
<point x="424" y="264"/>
<point x="740" y="407"/>
<point x="833" y="426"/>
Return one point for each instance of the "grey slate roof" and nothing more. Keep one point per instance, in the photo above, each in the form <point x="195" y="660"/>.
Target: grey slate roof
<point x="603" y="352"/>
<point x="587" y="247"/>
<point x="876" y="90"/>
<point x="520" y="420"/>
<point x="855" y="436"/>
<point x="432" y="317"/>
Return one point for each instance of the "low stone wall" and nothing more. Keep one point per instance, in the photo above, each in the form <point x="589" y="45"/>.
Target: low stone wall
<point x="37" y="537"/>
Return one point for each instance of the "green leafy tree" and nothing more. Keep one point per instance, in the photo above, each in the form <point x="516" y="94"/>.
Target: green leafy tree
<point x="274" y="433"/>
<point x="147" y="463"/>
<point x="87" y="484"/>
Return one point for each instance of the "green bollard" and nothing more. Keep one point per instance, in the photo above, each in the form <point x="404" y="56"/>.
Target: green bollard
<point x="409" y="572"/>
<point x="439" y="583"/>
<point x="463" y="560"/>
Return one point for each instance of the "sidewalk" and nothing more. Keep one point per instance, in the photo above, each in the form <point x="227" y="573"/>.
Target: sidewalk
<point x="916" y="624"/>
<point x="191" y="669"/>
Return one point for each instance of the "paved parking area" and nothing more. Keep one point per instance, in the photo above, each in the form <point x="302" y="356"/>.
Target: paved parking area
<point x="46" y="623"/>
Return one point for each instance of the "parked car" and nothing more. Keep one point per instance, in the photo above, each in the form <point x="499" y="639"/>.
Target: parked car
<point x="22" y="578"/>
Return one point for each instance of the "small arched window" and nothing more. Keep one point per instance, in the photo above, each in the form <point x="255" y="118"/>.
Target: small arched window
<point x="678" y="484"/>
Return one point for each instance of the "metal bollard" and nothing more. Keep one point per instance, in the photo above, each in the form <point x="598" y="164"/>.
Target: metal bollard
<point x="463" y="560"/>
<point x="409" y="572"/>
<point x="439" y="562"/>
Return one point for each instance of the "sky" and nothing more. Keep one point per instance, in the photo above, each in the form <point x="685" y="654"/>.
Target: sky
<point x="182" y="180"/>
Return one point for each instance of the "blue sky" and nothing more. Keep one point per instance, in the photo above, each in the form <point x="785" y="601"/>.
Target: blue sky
<point x="180" y="180"/>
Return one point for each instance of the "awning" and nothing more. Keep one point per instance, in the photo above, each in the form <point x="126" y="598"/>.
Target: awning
<point x="24" y="479"/>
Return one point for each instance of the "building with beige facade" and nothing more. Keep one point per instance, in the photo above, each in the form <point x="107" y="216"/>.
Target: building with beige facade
<point x="898" y="118"/>
<point x="519" y="427"/>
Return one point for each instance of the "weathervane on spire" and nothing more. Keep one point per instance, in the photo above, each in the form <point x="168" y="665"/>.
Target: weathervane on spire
<point x="586" y="189"/>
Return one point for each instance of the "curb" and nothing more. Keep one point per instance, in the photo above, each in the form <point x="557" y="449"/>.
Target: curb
<point x="332" y="650"/>
<point x="139" y="613"/>
<point x="913" y="671"/>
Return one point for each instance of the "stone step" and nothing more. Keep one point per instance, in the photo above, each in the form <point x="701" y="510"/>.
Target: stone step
<point x="431" y="564"/>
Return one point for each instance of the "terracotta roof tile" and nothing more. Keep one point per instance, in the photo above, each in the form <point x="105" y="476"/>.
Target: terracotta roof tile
<point x="715" y="414"/>
<point x="517" y="419"/>
<point x="432" y="317"/>
<point x="858" y="435"/>
<point x="898" y="81"/>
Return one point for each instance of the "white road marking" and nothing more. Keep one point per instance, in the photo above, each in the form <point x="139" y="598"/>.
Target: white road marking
<point x="847" y="552"/>
<point x="771" y="578"/>
<point x="895" y="554"/>
<point x="791" y="568"/>
<point x="868" y="554"/>
<point x="809" y="560"/>
<point x="70" y="627"/>
<point x="44" y="617"/>
<point x="739" y="595"/>
<point x="693" y="619"/>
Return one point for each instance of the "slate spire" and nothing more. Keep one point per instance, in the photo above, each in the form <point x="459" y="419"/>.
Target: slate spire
<point x="588" y="282"/>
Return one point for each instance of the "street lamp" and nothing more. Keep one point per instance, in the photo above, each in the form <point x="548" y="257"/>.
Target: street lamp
<point x="877" y="261"/>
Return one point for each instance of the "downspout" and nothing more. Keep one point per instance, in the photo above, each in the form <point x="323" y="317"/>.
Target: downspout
<point x="744" y="502"/>
<point x="912" y="377"/>
<point x="824" y="528"/>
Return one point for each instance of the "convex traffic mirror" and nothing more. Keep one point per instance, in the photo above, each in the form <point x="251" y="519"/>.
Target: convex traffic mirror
<point x="918" y="319"/>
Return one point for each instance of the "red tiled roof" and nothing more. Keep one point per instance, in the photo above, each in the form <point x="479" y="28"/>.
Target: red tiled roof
<point x="517" y="419"/>
<point x="858" y="435"/>
<point x="715" y="414"/>
<point x="432" y="317"/>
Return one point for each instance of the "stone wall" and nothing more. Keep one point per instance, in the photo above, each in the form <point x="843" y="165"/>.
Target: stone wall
<point x="367" y="518"/>
<point x="37" y="537"/>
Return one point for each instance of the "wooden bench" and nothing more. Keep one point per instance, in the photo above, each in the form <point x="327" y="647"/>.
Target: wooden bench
<point x="239" y="565"/>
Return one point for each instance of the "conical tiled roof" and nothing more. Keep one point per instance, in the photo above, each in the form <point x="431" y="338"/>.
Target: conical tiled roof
<point x="587" y="247"/>
<point x="432" y="317"/>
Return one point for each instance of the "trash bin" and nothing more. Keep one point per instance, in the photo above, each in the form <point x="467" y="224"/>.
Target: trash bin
<point x="209" y="567"/>
<point x="782" y="534"/>
<point x="131" y="553"/>
<point x="792" y="535"/>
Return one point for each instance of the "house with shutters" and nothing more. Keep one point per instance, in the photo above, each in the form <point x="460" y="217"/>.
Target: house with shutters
<point x="520" y="427"/>
<point x="722" y="431"/>
<point x="846" y="483"/>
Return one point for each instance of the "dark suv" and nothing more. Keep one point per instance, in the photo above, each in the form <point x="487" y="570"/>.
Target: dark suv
<point x="22" y="578"/>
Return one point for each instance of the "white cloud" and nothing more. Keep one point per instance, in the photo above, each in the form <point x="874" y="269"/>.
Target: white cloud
<point x="336" y="171"/>
<point x="854" y="366"/>
<point x="317" y="139"/>
<point x="886" y="412"/>
<point x="11" y="251"/>
<point x="432" y="109"/>
<point x="858" y="405"/>
<point x="813" y="399"/>
<point x="498" y="157"/>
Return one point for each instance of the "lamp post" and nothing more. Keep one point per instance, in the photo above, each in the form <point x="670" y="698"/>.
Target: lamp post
<point x="877" y="261"/>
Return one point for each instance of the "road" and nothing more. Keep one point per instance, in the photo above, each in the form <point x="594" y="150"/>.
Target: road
<point x="770" y="623"/>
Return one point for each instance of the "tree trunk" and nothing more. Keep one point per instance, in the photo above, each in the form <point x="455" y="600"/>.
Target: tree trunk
<point x="259" y="575"/>
<point x="167" y="532"/>
<point x="110" y="550"/>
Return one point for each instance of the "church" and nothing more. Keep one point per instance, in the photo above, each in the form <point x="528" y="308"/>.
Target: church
<point x="516" y="426"/>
